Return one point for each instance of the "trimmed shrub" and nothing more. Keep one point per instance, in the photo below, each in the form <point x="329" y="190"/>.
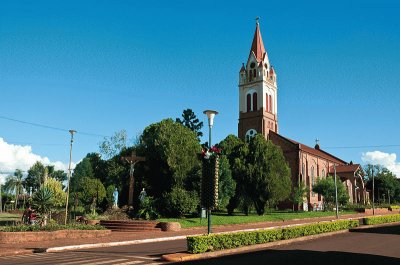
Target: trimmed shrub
<point x="179" y="202"/>
<point x="213" y="242"/>
<point x="55" y="227"/>
<point x="382" y="219"/>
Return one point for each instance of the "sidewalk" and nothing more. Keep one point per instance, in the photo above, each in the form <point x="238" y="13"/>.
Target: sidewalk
<point x="30" y="247"/>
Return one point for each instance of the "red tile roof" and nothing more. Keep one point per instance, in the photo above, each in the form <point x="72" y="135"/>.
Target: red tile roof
<point x="316" y="152"/>
<point x="257" y="47"/>
<point x="345" y="168"/>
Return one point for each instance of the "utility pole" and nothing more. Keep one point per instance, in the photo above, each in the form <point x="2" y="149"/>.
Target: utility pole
<point x="336" y="196"/>
<point x="132" y="160"/>
<point x="69" y="174"/>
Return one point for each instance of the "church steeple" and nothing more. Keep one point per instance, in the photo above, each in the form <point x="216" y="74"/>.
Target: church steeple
<point x="258" y="95"/>
<point x="257" y="46"/>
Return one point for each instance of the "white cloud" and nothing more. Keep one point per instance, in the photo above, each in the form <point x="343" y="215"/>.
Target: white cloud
<point x="21" y="157"/>
<point x="385" y="159"/>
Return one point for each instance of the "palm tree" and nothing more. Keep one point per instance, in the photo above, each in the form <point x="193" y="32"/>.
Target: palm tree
<point x="42" y="201"/>
<point x="15" y="183"/>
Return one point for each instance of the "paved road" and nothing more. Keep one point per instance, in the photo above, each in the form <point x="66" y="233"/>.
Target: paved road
<point x="142" y="254"/>
<point x="377" y="246"/>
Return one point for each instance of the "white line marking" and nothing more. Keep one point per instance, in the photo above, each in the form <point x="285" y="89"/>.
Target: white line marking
<point x="131" y="262"/>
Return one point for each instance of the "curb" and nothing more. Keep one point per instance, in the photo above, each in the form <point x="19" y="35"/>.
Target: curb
<point x="152" y="240"/>
<point x="179" y="257"/>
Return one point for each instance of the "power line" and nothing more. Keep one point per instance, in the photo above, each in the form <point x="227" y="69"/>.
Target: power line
<point x="361" y="146"/>
<point x="50" y="127"/>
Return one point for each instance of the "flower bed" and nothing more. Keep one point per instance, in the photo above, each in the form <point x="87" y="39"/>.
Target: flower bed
<point x="213" y="242"/>
<point x="382" y="219"/>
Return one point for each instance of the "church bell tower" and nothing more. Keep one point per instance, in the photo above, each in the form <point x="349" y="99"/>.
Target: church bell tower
<point x="258" y="109"/>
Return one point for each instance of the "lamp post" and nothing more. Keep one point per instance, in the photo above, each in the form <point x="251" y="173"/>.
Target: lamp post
<point x="210" y="115"/>
<point x="69" y="173"/>
<point x="336" y="196"/>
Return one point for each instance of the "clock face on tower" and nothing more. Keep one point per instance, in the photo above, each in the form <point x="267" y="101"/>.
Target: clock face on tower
<point x="250" y="134"/>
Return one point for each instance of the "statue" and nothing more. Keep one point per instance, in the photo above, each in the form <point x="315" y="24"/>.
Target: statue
<point x="115" y="195"/>
<point x="142" y="195"/>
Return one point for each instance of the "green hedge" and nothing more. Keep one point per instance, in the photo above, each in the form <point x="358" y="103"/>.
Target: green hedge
<point x="213" y="242"/>
<point x="36" y="228"/>
<point x="382" y="219"/>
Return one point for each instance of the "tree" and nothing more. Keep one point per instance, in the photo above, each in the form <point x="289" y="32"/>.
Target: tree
<point x="56" y="174"/>
<point x="91" y="190"/>
<point x="113" y="145"/>
<point x="15" y="183"/>
<point x="59" y="196"/>
<point x="326" y="188"/>
<point x="171" y="152"/>
<point x="190" y="120"/>
<point x="42" y="201"/>
<point x="385" y="182"/>
<point x="298" y="194"/>
<point x="263" y="173"/>
<point x="227" y="185"/>
<point x="35" y="176"/>
<point x="82" y="170"/>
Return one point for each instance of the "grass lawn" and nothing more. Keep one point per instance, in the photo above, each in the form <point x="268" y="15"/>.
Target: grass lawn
<point x="9" y="217"/>
<point x="223" y="218"/>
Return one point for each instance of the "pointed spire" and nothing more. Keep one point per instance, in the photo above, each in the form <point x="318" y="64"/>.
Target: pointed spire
<point x="257" y="47"/>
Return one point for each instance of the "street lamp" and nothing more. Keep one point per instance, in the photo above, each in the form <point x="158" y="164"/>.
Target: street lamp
<point x="210" y="115"/>
<point x="69" y="173"/>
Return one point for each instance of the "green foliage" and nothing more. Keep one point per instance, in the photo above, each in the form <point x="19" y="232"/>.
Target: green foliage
<point x="263" y="174"/>
<point x="15" y="183"/>
<point x="171" y="155"/>
<point x="58" y="194"/>
<point x="91" y="190"/>
<point x="35" y="176"/>
<point x="147" y="210"/>
<point x="179" y="202"/>
<point x="386" y="183"/>
<point x="213" y="242"/>
<point x="82" y="170"/>
<point x="110" y="195"/>
<point x="227" y="185"/>
<point x="382" y="219"/>
<point x="299" y="193"/>
<point x="190" y="120"/>
<point x="42" y="200"/>
<point x="52" y="227"/>
<point x="326" y="188"/>
<point x="111" y="146"/>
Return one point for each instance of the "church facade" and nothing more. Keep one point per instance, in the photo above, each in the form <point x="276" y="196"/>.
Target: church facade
<point x="258" y="113"/>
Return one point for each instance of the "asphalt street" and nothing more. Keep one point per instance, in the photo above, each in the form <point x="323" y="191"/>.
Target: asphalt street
<point x="375" y="246"/>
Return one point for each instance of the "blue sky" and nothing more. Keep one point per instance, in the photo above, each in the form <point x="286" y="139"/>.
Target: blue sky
<point x="103" y="66"/>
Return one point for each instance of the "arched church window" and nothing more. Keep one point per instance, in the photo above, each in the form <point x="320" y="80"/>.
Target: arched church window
<point x="254" y="73"/>
<point x="248" y="98"/>
<point x="254" y="101"/>
<point x="323" y="173"/>
<point x="270" y="103"/>
<point x="250" y="75"/>
<point x="266" y="102"/>
<point x="312" y="178"/>
<point x="250" y="134"/>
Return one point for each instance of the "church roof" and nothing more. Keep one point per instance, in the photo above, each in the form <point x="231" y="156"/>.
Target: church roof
<point x="317" y="152"/>
<point x="257" y="47"/>
<point x="345" y="168"/>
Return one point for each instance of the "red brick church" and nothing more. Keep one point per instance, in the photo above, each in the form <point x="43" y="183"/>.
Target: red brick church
<point x="258" y="113"/>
